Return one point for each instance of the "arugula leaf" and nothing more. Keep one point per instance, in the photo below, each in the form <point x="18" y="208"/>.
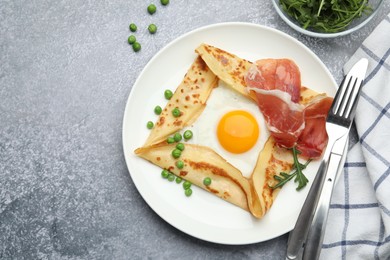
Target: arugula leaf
<point x="284" y="177"/>
<point x="328" y="16"/>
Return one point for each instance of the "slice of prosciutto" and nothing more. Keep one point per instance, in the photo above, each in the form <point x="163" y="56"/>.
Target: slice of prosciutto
<point x="277" y="85"/>
<point x="313" y="139"/>
<point x="282" y="74"/>
<point x="284" y="118"/>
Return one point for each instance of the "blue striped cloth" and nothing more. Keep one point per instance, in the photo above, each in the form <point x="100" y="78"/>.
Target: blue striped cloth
<point x="359" y="218"/>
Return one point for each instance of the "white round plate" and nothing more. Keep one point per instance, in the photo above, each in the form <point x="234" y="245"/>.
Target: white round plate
<point x="203" y="215"/>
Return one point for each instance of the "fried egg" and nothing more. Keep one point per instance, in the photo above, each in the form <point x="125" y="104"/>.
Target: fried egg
<point x="233" y="126"/>
<point x="237" y="131"/>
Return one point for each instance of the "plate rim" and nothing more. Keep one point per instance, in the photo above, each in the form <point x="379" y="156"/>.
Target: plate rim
<point x="150" y="63"/>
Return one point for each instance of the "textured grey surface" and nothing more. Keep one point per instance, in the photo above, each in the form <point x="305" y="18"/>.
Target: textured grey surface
<point x="65" y="74"/>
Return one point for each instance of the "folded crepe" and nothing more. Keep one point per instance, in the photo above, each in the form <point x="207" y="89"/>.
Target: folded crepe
<point x="228" y="67"/>
<point x="253" y="194"/>
<point x="201" y="162"/>
<point x="190" y="98"/>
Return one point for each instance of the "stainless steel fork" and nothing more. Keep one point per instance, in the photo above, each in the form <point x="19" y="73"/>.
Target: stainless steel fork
<point x="306" y="239"/>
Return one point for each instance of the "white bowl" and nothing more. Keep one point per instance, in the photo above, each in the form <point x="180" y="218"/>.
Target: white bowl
<point x="354" y="26"/>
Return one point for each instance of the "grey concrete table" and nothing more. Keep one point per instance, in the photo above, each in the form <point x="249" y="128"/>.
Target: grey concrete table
<point x="66" y="71"/>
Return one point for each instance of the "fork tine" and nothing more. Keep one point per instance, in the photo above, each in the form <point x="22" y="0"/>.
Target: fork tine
<point x="340" y="96"/>
<point x="348" y="98"/>
<point x="352" y="104"/>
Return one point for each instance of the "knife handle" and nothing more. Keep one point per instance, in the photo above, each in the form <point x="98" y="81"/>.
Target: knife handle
<point x="316" y="233"/>
<point x="298" y="235"/>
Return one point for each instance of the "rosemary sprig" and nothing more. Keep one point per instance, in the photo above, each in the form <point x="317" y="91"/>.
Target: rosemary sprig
<point x="297" y="173"/>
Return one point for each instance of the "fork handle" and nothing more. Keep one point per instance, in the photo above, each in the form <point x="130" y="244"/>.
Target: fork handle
<point x="298" y="235"/>
<point x="316" y="233"/>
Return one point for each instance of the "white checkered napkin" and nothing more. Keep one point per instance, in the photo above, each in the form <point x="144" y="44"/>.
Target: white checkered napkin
<point x="359" y="218"/>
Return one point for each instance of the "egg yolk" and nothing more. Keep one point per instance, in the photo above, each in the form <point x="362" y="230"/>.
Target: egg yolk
<point x="237" y="131"/>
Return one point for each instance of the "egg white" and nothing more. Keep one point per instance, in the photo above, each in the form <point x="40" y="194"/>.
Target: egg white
<point x="222" y="100"/>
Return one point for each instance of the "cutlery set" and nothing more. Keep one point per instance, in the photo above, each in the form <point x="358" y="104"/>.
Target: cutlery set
<point x="306" y="238"/>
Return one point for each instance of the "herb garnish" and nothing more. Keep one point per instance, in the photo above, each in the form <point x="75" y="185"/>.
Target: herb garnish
<point x="328" y="16"/>
<point x="297" y="173"/>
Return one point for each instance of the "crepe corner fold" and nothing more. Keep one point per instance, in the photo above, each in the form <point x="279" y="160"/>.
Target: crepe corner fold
<point x="228" y="67"/>
<point x="189" y="97"/>
<point x="201" y="162"/>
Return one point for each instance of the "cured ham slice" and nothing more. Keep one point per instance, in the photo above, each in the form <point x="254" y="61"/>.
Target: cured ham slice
<point x="282" y="74"/>
<point x="314" y="138"/>
<point x="284" y="118"/>
<point x="277" y="85"/>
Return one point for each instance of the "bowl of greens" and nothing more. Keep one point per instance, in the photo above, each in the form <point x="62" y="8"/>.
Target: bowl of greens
<point x="326" y="18"/>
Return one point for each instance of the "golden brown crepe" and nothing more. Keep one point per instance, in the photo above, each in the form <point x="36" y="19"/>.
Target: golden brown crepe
<point x="254" y="193"/>
<point x="228" y="67"/>
<point x="201" y="162"/>
<point x="271" y="161"/>
<point x="190" y="97"/>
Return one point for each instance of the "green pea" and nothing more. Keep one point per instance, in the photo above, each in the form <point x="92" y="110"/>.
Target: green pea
<point x="176" y="112"/>
<point x="187" y="134"/>
<point x="180" y="164"/>
<point x="149" y="124"/>
<point x="176" y="153"/>
<point x="136" y="46"/>
<point x="170" y="140"/>
<point x="178" y="180"/>
<point x="188" y="192"/>
<point x="171" y="177"/>
<point x="187" y="185"/>
<point x="131" y="39"/>
<point x="164" y="2"/>
<point x="180" y="146"/>
<point x="164" y="174"/>
<point x="152" y="9"/>
<point x="157" y="110"/>
<point x="177" y="137"/>
<point x="133" y="27"/>
<point x="207" y="181"/>
<point x="152" y="28"/>
<point x="168" y="94"/>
